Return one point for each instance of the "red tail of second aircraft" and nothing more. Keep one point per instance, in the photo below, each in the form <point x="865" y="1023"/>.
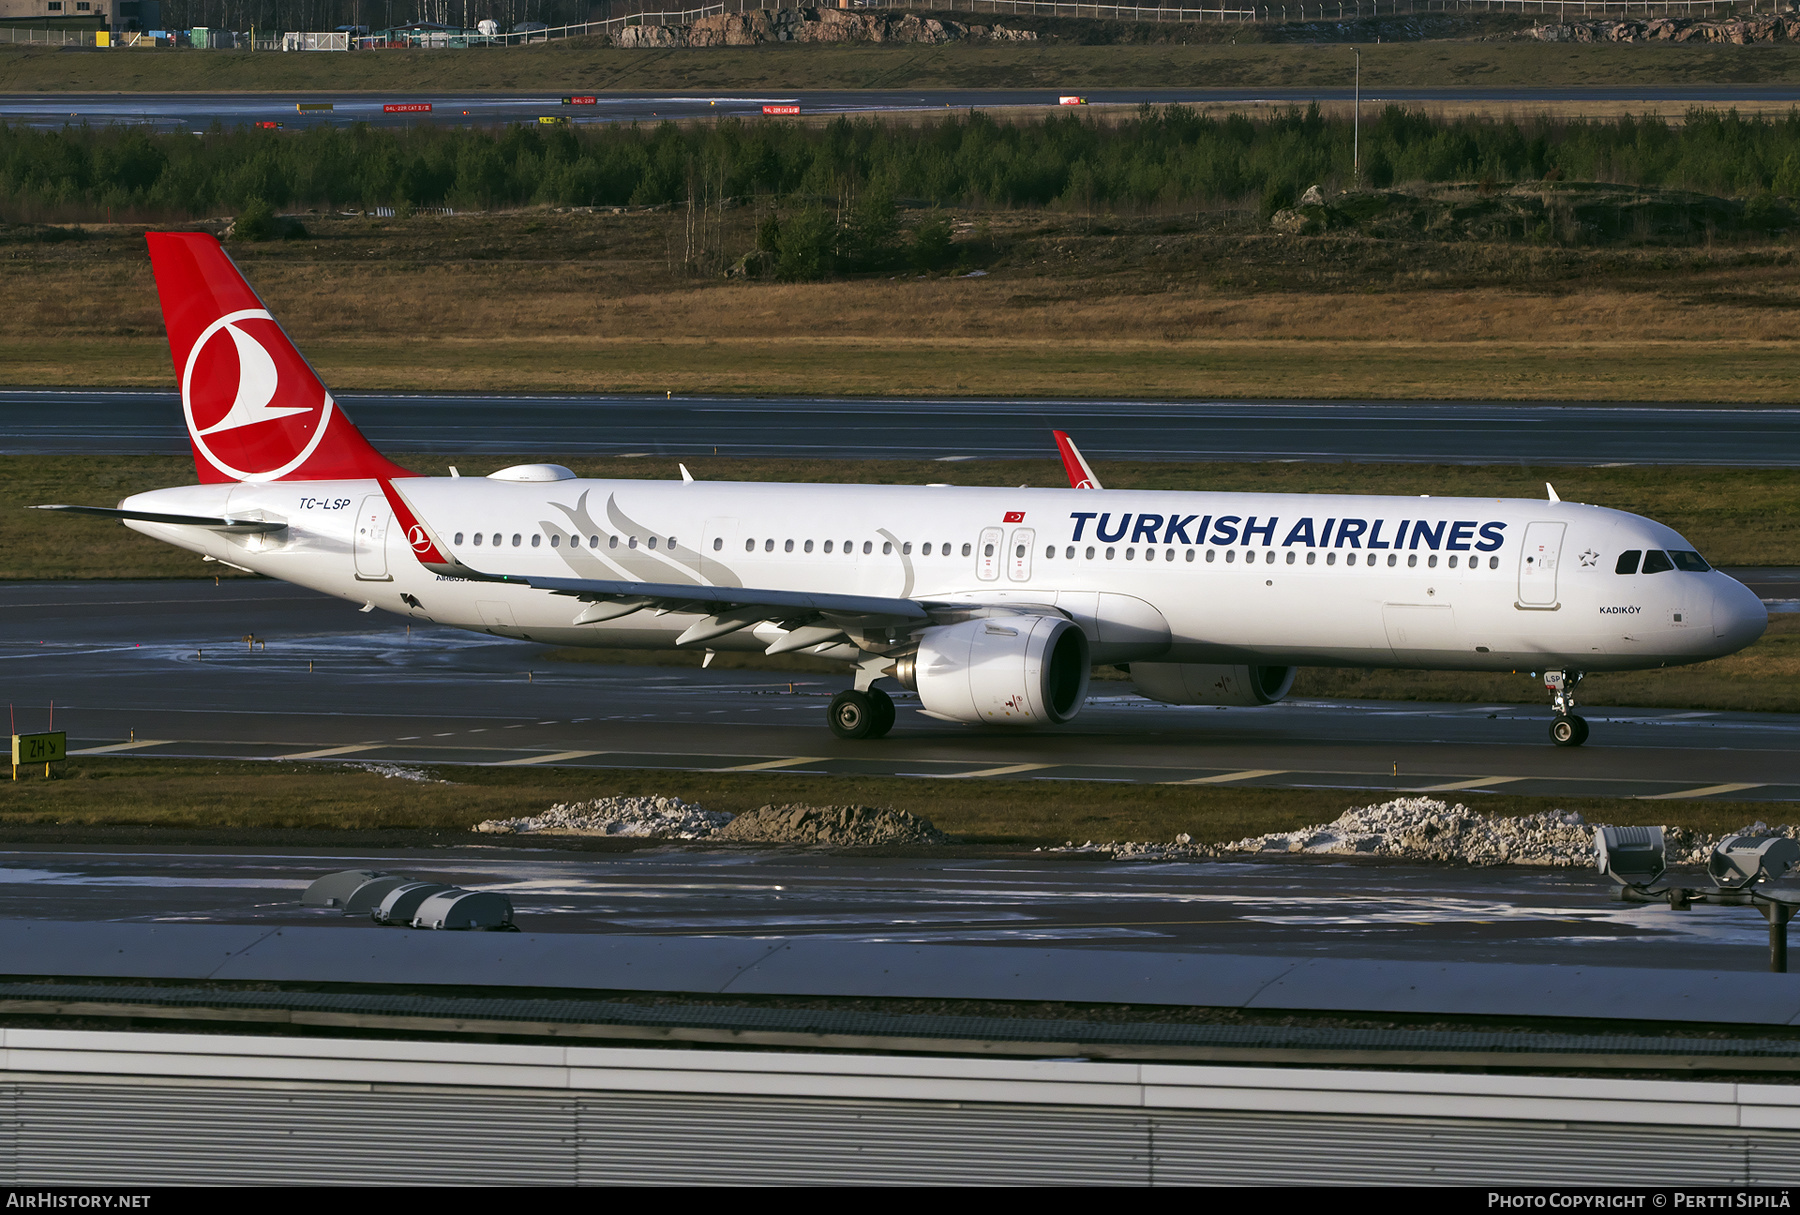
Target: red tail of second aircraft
<point x="255" y="410"/>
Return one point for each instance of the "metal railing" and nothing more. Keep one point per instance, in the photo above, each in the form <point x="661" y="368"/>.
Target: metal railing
<point x="47" y="37"/>
<point x="1302" y="11"/>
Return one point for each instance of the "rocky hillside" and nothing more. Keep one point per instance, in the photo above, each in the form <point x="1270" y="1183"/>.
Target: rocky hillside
<point x="815" y="25"/>
<point x="1672" y="29"/>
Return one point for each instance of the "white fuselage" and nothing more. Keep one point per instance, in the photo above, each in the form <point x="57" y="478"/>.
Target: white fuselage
<point x="1280" y="579"/>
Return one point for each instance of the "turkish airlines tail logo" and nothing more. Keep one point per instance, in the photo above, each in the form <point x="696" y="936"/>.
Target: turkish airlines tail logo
<point x="255" y="409"/>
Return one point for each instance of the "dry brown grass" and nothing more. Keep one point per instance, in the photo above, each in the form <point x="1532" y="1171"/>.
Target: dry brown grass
<point x="581" y="67"/>
<point x="251" y="800"/>
<point x="1158" y="307"/>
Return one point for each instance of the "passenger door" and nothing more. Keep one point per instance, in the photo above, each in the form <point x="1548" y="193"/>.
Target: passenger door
<point x="1018" y="554"/>
<point x="371" y="539"/>
<point x="1538" y="562"/>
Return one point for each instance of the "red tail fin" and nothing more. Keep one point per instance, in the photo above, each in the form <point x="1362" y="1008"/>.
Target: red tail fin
<point x="255" y="410"/>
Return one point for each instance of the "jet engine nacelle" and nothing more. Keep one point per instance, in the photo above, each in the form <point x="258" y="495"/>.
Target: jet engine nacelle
<point x="1189" y="683"/>
<point x="1010" y="670"/>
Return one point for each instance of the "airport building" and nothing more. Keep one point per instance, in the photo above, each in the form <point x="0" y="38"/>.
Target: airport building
<point x="100" y="14"/>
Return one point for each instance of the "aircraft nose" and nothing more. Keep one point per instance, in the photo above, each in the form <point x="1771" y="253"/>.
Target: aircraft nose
<point x="1739" y="617"/>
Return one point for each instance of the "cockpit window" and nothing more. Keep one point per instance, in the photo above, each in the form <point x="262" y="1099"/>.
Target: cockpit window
<point x="1688" y="561"/>
<point x="1656" y="561"/>
<point x="1628" y="562"/>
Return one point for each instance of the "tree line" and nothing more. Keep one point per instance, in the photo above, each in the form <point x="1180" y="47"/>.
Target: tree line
<point x="1167" y="160"/>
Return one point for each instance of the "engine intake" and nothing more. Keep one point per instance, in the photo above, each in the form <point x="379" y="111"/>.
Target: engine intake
<point x="1190" y="683"/>
<point x="1011" y="670"/>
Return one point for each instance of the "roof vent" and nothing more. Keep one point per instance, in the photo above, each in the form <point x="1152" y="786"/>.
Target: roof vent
<point x="467" y="910"/>
<point x="402" y="902"/>
<point x="533" y="472"/>
<point x="334" y="889"/>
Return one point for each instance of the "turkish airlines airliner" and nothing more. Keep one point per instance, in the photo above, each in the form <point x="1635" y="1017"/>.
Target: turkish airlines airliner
<point x="991" y="604"/>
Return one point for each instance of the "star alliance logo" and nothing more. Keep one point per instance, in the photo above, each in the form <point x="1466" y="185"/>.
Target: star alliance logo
<point x="1590" y="558"/>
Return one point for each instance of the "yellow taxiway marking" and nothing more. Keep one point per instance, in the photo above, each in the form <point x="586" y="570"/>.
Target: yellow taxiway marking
<point x="328" y="751"/>
<point x="124" y="746"/>
<point x="1480" y="782"/>
<point x="774" y="763"/>
<point x="557" y="757"/>
<point x="1702" y="792"/>
<point x="1246" y="774"/>
<point x="1006" y="770"/>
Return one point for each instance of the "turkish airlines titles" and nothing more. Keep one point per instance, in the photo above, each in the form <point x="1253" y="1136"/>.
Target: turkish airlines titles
<point x="1458" y="535"/>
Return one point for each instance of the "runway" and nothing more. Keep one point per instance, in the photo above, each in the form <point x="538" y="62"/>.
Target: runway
<point x="451" y="107"/>
<point x="163" y="669"/>
<point x="55" y="421"/>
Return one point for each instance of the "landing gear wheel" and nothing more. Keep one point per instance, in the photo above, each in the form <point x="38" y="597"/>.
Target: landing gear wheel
<point x="854" y="715"/>
<point x="1568" y="730"/>
<point x="883" y="706"/>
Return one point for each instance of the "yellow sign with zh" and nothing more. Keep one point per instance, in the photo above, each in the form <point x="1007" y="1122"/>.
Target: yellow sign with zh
<point x="43" y="749"/>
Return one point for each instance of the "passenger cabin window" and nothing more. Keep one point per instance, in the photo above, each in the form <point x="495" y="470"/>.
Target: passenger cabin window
<point x="718" y="543"/>
<point x="459" y="538"/>
<point x="535" y="540"/>
<point x="1656" y="561"/>
<point x="1688" y="561"/>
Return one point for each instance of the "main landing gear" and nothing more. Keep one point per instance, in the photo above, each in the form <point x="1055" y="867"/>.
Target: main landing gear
<point x="1566" y="729"/>
<point x="867" y="714"/>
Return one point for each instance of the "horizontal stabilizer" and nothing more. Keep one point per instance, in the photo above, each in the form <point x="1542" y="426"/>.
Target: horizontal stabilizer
<point x="238" y="526"/>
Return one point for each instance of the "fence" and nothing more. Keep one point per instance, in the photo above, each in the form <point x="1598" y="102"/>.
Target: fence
<point x="312" y="42"/>
<point x="47" y="37"/>
<point x="1301" y="10"/>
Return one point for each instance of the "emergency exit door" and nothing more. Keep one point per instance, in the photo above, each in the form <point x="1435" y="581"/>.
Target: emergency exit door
<point x="1538" y="562"/>
<point x="988" y="558"/>
<point x="1018" y="554"/>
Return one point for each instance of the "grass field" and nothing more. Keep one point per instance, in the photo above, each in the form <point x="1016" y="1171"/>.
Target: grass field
<point x="1157" y="306"/>
<point x="245" y="802"/>
<point x="566" y="66"/>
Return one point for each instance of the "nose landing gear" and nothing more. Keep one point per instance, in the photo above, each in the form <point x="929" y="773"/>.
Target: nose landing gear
<point x="1566" y="729"/>
<point x="867" y="714"/>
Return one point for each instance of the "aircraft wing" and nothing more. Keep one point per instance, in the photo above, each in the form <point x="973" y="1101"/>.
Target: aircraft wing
<point x="236" y="526"/>
<point x="779" y="602"/>
<point x="811" y="618"/>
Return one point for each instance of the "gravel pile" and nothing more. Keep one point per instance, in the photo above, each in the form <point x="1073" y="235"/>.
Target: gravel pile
<point x="667" y="818"/>
<point x="841" y="825"/>
<point x="1425" y="829"/>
